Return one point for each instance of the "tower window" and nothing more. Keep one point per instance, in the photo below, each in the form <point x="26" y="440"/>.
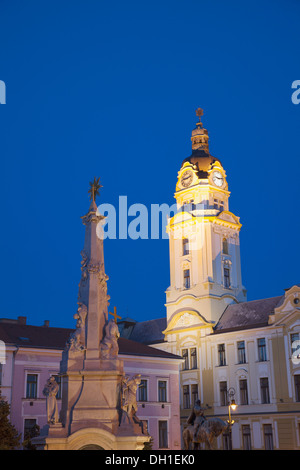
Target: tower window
<point x="185" y="246"/>
<point x="226" y="278"/>
<point x="225" y="247"/>
<point x="186" y="279"/>
<point x="218" y="204"/>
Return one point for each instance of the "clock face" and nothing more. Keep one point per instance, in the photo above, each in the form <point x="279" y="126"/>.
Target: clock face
<point x="218" y="178"/>
<point x="186" y="178"/>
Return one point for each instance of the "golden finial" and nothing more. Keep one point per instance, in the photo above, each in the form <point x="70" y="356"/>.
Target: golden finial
<point x="199" y="113"/>
<point x="94" y="189"/>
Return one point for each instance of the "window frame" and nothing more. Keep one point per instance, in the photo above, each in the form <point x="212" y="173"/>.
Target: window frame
<point x="186" y="397"/>
<point x="187" y="279"/>
<point x="264" y="390"/>
<point x="221" y="354"/>
<point x="163" y="434"/>
<point x="262" y="350"/>
<point x="29" y="385"/>
<point x="164" y="391"/>
<point x="143" y="389"/>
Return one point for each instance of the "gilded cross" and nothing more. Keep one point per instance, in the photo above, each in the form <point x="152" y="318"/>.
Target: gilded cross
<point x="115" y="314"/>
<point x="94" y="189"/>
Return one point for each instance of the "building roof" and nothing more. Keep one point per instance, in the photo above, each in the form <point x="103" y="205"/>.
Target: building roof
<point x="46" y="337"/>
<point x="148" y="332"/>
<point x="253" y="314"/>
<point x="203" y="162"/>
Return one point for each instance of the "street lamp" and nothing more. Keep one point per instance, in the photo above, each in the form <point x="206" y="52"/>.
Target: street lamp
<point x="231" y="406"/>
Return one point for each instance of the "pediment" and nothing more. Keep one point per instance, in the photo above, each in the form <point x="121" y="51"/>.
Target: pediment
<point x="289" y="307"/>
<point x="228" y="217"/>
<point x="186" y="319"/>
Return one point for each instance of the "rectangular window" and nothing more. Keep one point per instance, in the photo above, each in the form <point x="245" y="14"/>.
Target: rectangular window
<point x="29" y="425"/>
<point x="143" y="391"/>
<point x="186" y="397"/>
<point x="297" y="386"/>
<point x="241" y="352"/>
<point x="226" y="437"/>
<point x="218" y="204"/>
<point x="221" y="355"/>
<point x="246" y="434"/>
<point x="243" y="392"/>
<point x="225" y="246"/>
<point x="162" y="390"/>
<point x="185" y="355"/>
<point x="226" y="278"/>
<point x="185" y="246"/>
<point x="195" y="396"/>
<point x="31" y="386"/>
<point x="186" y="279"/>
<point x="262" y="350"/>
<point x="264" y="390"/>
<point x="163" y="434"/>
<point x="193" y="358"/>
<point x="223" y="394"/>
<point x="268" y="436"/>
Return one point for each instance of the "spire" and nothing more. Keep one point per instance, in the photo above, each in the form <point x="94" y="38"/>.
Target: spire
<point x="92" y="293"/>
<point x="200" y="135"/>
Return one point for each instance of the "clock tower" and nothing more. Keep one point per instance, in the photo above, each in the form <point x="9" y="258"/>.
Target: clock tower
<point x="205" y="266"/>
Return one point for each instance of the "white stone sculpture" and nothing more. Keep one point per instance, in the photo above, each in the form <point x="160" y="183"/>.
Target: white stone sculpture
<point x="50" y="391"/>
<point x="109" y="345"/>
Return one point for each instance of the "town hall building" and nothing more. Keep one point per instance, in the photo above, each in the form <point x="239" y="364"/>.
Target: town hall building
<point x="232" y="349"/>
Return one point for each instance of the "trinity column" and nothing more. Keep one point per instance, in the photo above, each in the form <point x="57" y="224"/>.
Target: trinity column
<point x="98" y="402"/>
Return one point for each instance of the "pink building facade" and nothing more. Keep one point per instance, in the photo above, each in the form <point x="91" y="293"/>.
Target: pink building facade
<point x="33" y="354"/>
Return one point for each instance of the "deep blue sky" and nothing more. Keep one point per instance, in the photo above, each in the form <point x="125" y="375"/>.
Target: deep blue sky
<point x="110" y="89"/>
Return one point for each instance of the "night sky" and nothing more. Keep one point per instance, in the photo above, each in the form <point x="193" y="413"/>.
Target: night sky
<point x="110" y="89"/>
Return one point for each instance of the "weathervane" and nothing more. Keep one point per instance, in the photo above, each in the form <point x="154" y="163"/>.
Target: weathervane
<point x="199" y="113"/>
<point x="94" y="188"/>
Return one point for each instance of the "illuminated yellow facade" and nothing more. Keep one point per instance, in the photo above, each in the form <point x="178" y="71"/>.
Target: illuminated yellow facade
<point x="227" y="342"/>
<point x="205" y="267"/>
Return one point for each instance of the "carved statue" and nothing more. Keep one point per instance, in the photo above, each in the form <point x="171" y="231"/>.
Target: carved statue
<point x="129" y="388"/>
<point x="50" y="392"/>
<point x="197" y="418"/>
<point x="76" y="341"/>
<point x="206" y="433"/>
<point x="109" y="345"/>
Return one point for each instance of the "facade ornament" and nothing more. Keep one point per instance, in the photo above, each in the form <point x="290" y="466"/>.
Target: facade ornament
<point x="109" y="345"/>
<point x="50" y="391"/>
<point x="129" y="386"/>
<point x="185" y="319"/>
<point x="76" y="341"/>
<point x="128" y="390"/>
